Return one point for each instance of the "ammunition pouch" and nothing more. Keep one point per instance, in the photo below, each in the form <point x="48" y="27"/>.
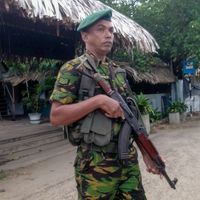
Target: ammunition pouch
<point x="74" y="135"/>
<point x="96" y="129"/>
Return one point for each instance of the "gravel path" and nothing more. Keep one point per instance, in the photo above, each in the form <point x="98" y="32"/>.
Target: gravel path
<point x="53" y="179"/>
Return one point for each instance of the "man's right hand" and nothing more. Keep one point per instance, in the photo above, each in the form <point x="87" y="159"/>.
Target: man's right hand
<point x="110" y="107"/>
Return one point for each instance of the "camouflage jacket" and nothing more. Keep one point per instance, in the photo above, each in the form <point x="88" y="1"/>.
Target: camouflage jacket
<point x="68" y="82"/>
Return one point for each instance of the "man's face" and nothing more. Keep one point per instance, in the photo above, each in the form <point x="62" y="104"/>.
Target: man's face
<point x="99" y="37"/>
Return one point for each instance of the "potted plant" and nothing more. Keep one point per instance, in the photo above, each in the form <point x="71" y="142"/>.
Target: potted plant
<point x="32" y="103"/>
<point x="145" y="109"/>
<point x="175" y="110"/>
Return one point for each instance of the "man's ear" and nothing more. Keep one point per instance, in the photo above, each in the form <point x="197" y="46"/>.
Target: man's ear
<point x="84" y="36"/>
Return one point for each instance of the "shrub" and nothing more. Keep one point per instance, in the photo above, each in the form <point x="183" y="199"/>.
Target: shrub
<point x="144" y="104"/>
<point x="177" y="106"/>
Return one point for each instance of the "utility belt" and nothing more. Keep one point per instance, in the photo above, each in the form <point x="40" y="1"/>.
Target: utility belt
<point x="109" y="148"/>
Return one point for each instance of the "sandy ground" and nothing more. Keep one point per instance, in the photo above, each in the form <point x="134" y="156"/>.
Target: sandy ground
<point x="53" y="179"/>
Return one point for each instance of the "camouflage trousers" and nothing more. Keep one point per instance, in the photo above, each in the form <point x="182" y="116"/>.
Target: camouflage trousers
<point x="101" y="176"/>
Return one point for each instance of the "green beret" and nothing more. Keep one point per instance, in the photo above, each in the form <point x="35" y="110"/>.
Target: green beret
<point x="93" y="18"/>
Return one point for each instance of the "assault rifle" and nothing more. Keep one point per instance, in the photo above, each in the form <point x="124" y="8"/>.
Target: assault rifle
<point x="131" y="126"/>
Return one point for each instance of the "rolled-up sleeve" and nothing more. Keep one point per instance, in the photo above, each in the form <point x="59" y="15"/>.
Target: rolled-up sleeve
<point x="66" y="85"/>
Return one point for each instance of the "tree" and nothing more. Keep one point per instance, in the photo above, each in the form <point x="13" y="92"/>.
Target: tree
<point x="126" y="7"/>
<point x="176" y="26"/>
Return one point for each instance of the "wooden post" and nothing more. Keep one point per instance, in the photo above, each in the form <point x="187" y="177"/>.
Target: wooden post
<point x="13" y="103"/>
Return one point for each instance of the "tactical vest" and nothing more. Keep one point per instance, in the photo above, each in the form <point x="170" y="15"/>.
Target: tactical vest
<point x="95" y="128"/>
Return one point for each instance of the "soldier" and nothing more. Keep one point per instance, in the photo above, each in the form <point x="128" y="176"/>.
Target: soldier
<point x="94" y="118"/>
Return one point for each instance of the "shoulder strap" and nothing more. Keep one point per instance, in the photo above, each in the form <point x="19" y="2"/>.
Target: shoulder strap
<point x="87" y="84"/>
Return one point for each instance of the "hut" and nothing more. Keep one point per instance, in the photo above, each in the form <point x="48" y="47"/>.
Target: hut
<point x="157" y="83"/>
<point x="47" y="29"/>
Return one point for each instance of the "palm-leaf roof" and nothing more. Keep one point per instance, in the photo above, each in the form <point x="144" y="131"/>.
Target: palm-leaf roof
<point x="129" y="34"/>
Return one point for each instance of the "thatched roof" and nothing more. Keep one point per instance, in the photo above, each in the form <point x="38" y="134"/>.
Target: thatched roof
<point x="70" y="12"/>
<point x="16" y="80"/>
<point x="156" y="74"/>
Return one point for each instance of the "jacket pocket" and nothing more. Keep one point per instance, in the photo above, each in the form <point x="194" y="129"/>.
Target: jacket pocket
<point x="99" y="129"/>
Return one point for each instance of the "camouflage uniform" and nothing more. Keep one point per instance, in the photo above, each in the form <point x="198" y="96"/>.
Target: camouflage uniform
<point x="99" y="174"/>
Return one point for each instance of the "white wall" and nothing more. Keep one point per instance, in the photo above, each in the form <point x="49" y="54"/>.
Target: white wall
<point x="193" y="103"/>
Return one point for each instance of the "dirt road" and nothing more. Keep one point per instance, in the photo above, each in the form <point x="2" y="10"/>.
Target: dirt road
<point x="53" y="179"/>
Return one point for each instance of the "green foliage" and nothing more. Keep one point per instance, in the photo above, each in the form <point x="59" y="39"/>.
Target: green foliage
<point x="126" y="7"/>
<point x="47" y="87"/>
<point x="142" y="61"/>
<point x="155" y="115"/>
<point x="144" y="104"/>
<point x="177" y="106"/>
<point x="46" y="64"/>
<point x="31" y="98"/>
<point x="21" y="66"/>
<point x="25" y="66"/>
<point x="16" y="67"/>
<point x="175" y="24"/>
<point x="49" y="82"/>
<point x="121" y="56"/>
